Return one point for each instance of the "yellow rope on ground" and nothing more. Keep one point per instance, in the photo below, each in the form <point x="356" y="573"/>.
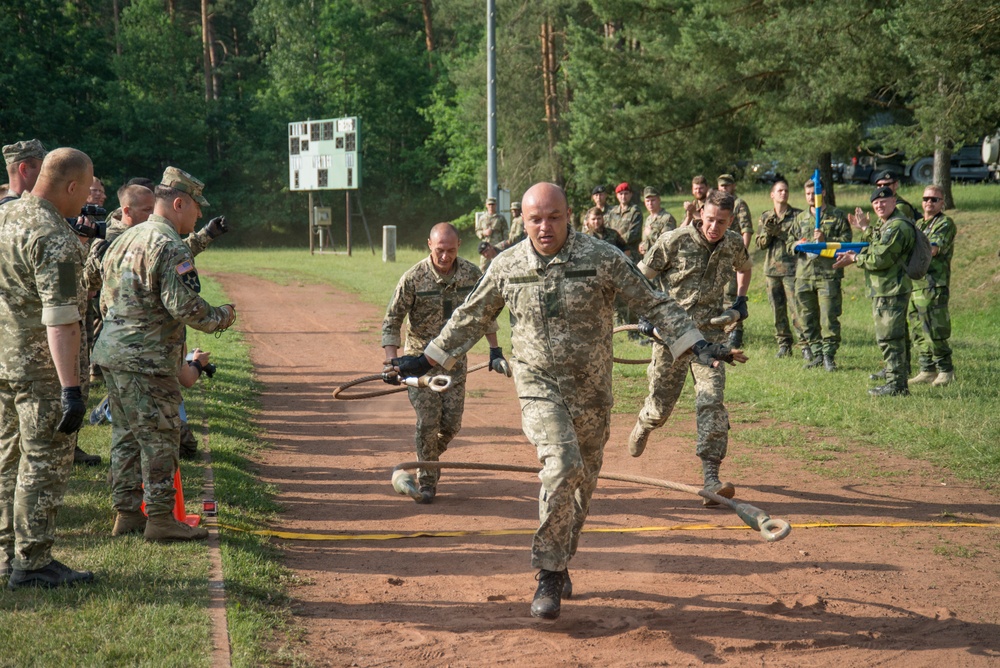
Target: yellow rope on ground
<point x="288" y="535"/>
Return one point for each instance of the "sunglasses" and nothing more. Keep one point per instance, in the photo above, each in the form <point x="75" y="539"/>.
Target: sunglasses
<point x="932" y="199"/>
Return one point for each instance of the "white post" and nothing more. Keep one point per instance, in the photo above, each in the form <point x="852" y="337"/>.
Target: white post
<point x="388" y="243"/>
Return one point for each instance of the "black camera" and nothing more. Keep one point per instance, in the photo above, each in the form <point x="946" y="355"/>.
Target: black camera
<point x="90" y="223"/>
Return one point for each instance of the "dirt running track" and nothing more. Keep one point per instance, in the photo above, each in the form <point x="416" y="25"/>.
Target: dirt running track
<point x="822" y="597"/>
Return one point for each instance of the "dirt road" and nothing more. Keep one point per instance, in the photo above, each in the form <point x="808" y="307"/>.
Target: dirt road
<point x="822" y="597"/>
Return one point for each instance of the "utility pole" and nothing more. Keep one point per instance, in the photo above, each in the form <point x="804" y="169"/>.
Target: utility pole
<point x="491" y="99"/>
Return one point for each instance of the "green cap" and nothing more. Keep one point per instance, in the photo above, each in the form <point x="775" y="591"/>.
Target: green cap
<point x="178" y="179"/>
<point x="515" y="206"/>
<point x="726" y="180"/>
<point x="491" y="200"/>
<point x="649" y="191"/>
<point x="22" y="150"/>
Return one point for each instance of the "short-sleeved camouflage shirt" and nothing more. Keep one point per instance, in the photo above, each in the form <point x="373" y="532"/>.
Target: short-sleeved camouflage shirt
<point x="772" y="238"/>
<point x="496" y="224"/>
<point x="742" y="219"/>
<point x="655" y="225"/>
<point x="694" y="272"/>
<point x="427" y="299"/>
<point x="150" y="294"/>
<point x="561" y="317"/>
<point x="41" y="285"/>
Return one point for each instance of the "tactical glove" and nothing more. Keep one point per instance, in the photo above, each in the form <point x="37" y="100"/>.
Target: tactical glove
<point x="646" y="328"/>
<point x="74" y="409"/>
<point x="740" y="306"/>
<point x="483" y="245"/>
<point x="498" y="362"/>
<point x="217" y="227"/>
<point x="412" y="366"/>
<point x="707" y="354"/>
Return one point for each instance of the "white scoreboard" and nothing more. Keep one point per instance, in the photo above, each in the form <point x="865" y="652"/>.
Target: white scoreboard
<point x="324" y="154"/>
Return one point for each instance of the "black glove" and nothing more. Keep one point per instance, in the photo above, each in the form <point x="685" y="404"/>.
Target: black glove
<point x="483" y="245"/>
<point x="706" y="353"/>
<point x="74" y="409"/>
<point x="498" y="362"/>
<point x="412" y="366"/>
<point x="740" y="306"/>
<point x="217" y="227"/>
<point x="646" y="328"/>
<point x="390" y="377"/>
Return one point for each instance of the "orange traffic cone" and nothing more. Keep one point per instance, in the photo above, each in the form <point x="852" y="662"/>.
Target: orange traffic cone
<point x="179" y="513"/>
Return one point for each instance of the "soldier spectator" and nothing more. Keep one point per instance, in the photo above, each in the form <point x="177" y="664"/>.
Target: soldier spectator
<point x="562" y="362"/>
<point x="887" y="178"/>
<point x="692" y="207"/>
<point x="24" y="162"/>
<point x="777" y="226"/>
<point x="694" y="264"/>
<point x="889" y="286"/>
<point x="657" y="222"/>
<point x="43" y="298"/>
<point x="819" y="301"/>
<point x="930" y="320"/>
<point x="743" y="222"/>
<point x="426" y="295"/>
<point x="516" y="233"/>
<point x="626" y="219"/>
<point x="97" y="194"/>
<point x="593" y="226"/>
<point x="599" y="195"/>
<point x="150" y="297"/>
<point x="491" y="228"/>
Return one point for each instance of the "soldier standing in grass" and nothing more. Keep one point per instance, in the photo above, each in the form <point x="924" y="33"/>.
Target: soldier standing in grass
<point x="692" y="207"/>
<point x="43" y="299"/>
<point x="743" y="224"/>
<point x="426" y="295"/>
<point x="889" y="286"/>
<point x="776" y="226"/>
<point x="560" y="289"/>
<point x="150" y="296"/>
<point x="694" y="265"/>
<point x="492" y="228"/>
<point x="657" y="222"/>
<point x="626" y="219"/>
<point x="930" y="321"/>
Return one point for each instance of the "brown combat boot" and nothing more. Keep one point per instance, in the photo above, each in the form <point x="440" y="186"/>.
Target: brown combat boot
<point x="129" y="521"/>
<point x="165" y="529"/>
<point x="637" y="439"/>
<point x="710" y="467"/>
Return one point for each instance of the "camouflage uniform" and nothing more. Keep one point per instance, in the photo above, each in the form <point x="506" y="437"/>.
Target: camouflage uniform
<point x="744" y="221"/>
<point x="906" y="209"/>
<point x="693" y="272"/>
<point x="884" y="262"/>
<point x="427" y="299"/>
<point x="655" y="225"/>
<point x="41" y="285"/>
<point x="818" y="298"/>
<point x="561" y="312"/>
<point x="609" y="235"/>
<point x="497" y="225"/>
<point x="628" y="223"/>
<point x="515" y="236"/>
<point x="150" y="293"/>
<point x="779" y="269"/>
<point x="930" y="321"/>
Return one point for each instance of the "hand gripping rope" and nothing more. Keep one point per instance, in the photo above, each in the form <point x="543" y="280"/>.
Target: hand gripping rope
<point x="434" y="383"/>
<point x="755" y="518"/>
<point x="729" y="318"/>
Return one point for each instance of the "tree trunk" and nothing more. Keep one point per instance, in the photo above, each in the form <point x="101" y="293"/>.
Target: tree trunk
<point x="428" y="32"/>
<point x="551" y="98"/>
<point x="114" y="15"/>
<point x="942" y="169"/>
<point x="826" y="175"/>
<point x="206" y="46"/>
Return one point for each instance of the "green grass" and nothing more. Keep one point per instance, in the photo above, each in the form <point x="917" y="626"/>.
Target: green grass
<point x="149" y="605"/>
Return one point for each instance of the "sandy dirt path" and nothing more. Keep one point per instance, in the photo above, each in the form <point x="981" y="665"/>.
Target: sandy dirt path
<point x="822" y="597"/>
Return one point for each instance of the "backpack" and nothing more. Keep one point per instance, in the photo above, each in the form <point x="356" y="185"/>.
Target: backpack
<point x="920" y="256"/>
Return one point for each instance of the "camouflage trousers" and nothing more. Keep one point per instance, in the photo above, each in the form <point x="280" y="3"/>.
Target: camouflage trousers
<point x="818" y="305"/>
<point x="890" y="332"/>
<point x="145" y="437"/>
<point x="571" y="452"/>
<point x="35" y="463"/>
<point x="930" y="328"/>
<point x="732" y="292"/>
<point x="439" y="419"/>
<point x="666" y="381"/>
<point x="781" y="296"/>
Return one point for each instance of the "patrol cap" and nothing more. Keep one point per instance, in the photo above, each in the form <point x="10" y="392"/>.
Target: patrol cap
<point x="598" y="190"/>
<point x="491" y="200"/>
<point x="622" y="187"/>
<point x="649" y="191"/>
<point x="886" y="176"/>
<point x="22" y="150"/>
<point x="178" y="179"/>
<point x="884" y="191"/>
<point x="726" y="180"/>
<point x="515" y="206"/>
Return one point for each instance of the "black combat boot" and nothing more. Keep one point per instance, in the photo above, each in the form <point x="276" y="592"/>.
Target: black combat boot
<point x="807" y="353"/>
<point x="828" y="363"/>
<point x="81" y="457"/>
<point x="736" y="338"/>
<point x="54" y="574"/>
<point x="784" y="350"/>
<point x="567" y="585"/>
<point x="548" y="596"/>
<point x="710" y="467"/>
<point x="889" y="391"/>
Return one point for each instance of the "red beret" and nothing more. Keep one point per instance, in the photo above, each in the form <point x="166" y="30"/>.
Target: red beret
<point x="623" y="186"/>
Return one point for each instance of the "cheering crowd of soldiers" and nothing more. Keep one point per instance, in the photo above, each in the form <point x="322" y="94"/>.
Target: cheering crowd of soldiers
<point x="56" y="259"/>
<point x="681" y="281"/>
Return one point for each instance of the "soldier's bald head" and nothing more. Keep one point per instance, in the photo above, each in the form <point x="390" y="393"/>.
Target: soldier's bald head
<point x="442" y="232"/>
<point x="544" y="207"/>
<point x="66" y="164"/>
<point x="545" y="192"/>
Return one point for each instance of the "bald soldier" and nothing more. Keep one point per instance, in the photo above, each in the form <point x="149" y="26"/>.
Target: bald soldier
<point x="426" y="295"/>
<point x="560" y="289"/>
<point x="42" y="302"/>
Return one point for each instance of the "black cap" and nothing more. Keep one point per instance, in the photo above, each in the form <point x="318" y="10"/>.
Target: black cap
<point x="597" y="190"/>
<point x="884" y="191"/>
<point x="886" y="176"/>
